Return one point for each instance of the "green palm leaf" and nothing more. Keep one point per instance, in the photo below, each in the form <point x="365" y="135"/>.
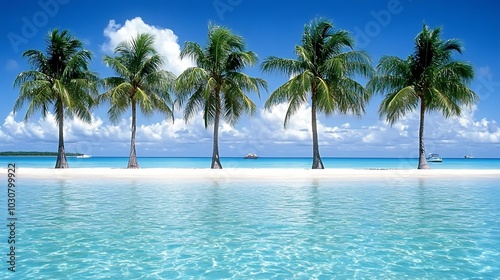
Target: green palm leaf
<point x="140" y="82"/>
<point x="60" y="80"/>
<point x="216" y="86"/>
<point x="324" y="73"/>
<point x="428" y="79"/>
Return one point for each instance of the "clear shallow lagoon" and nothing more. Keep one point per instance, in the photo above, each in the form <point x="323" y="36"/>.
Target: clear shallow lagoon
<point x="204" y="162"/>
<point x="312" y="229"/>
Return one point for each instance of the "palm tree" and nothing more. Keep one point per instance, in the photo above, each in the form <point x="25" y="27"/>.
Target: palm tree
<point x="140" y="83"/>
<point x="59" y="79"/>
<point x="429" y="78"/>
<point x="325" y="72"/>
<point x="216" y="85"/>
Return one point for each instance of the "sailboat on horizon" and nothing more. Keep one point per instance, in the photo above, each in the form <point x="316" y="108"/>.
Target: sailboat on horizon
<point x="469" y="154"/>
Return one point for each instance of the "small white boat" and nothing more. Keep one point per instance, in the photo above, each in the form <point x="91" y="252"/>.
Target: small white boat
<point x="251" y="156"/>
<point x="434" y="158"/>
<point x="83" y="156"/>
<point x="469" y="155"/>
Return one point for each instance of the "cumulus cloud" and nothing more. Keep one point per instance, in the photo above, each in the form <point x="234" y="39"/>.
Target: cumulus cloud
<point x="166" y="42"/>
<point x="108" y="138"/>
<point x="480" y="131"/>
<point x="264" y="134"/>
<point x="400" y="139"/>
<point x="268" y="131"/>
<point x="271" y="124"/>
<point x="41" y="130"/>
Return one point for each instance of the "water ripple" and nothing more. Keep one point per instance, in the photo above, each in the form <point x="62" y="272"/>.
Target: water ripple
<point x="258" y="230"/>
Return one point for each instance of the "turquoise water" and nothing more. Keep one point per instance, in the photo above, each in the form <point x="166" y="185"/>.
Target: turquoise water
<point x="312" y="229"/>
<point x="203" y="162"/>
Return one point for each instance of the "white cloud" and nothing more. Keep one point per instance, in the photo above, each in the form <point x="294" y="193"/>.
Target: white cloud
<point x="269" y="124"/>
<point x="33" y="131"/>
<point x="267" y="129"/>
<point x="165" y="41"/>
<point x="369" y="138"/>
<point x="400" y="139"/>
<point x="85" y="137"/>
<point x="264" y="134"/>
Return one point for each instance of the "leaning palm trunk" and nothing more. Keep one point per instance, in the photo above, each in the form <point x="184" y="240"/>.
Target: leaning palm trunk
<point x="132" y="161"/>
<point x="215" y="154"/>
<point x="422" y="160"/>
<point x="61" y="161"/>
<point x="317" y="163"/>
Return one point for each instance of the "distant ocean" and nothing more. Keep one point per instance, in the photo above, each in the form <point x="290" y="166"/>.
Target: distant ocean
<point x="263" y="162"/>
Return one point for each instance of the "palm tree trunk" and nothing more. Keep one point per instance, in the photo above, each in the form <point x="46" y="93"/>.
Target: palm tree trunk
<point x="61" y="161"/>
<point x="317" y="163"/>
<point x="215" y="154"/>
<point x="422" y="160"/>
<point x="132" y="161"/>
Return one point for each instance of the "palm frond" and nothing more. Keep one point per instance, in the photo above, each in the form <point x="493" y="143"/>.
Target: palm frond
<point x="280" y="95"/>
<point x="189" y="81"/>
<point x="352" y="63"/>
<point x="60" y="89"/>
<point x="211" y="108"/>
<point x="294" y="104"/>
<point x="350" y="97"/>
<point x="39" y="96"/>
<point x="236" y="61"/>
<point x="194" y="104"/>
<point x="193" y="51"/>
<point x="117" y="64"/>
<point x="29" y="76"/>
<point x="150" y="65"/>
<point x="392" y="75"/>
<point x="245" y="82"/>
<point x="324" y="70"/>
<point x="289" y="67"/>
<point x="36" y="59"/>
<point x="338" y="41"/>
<point x="216" y="85"/>
<point x="397" y="104"/>
<point x="296" y="88"/>
<point x="443" y="102"/>
<point x="59" y="78"/>
<point x="115" y="111"/>
<point x="140" y="79"/>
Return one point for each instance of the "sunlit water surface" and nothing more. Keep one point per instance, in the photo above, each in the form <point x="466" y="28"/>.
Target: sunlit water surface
<point x="229" y="229"/>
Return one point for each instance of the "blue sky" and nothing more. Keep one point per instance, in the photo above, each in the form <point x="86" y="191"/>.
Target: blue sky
<point x="385" y="27"/>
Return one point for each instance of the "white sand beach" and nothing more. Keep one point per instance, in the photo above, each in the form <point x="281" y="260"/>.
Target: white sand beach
<point x="283" y="174"/>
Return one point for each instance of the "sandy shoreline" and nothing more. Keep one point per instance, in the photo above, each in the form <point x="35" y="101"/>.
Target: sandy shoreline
<point x="250" y="173"/>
